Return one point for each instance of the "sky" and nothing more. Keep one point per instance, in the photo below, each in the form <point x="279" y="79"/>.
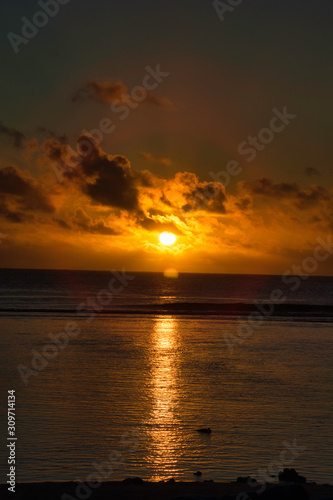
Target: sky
<point x="124" y="119"/>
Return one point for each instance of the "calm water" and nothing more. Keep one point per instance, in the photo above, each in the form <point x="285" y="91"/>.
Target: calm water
<point x="141" y="384"/>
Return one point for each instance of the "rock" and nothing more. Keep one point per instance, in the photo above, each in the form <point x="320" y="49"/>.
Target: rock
<point x="291" y="476"/>
<point x="133" y="480"/>
<point x="243" y="480"/>
<point x="198" y="473"/>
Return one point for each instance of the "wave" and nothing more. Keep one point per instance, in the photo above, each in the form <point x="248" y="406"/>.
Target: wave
<point x="259" y="308"/>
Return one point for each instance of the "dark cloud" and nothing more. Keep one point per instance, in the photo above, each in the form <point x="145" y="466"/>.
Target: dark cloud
<point x="62" y="223"/>
<point x="109" y="91"/>
<point x="312" y="197"/>
<point x="312" y="172"/>
<point x="56" y="150"/>
<point x="267" y="187"/>
<point x="244" y="203"/>
<point x="160" y="102"/>
<point x="165" y="200"/>
<point x="15" y="135"/>
<point x="64" y="160"/>
<point x="155" y="225"/>
<point x="15" y="216"/>
<point x="108" y="180"/>
<point x="316" y="219"/>
<point x="303" y="199"/>
<point x="62" y="138"/>
<point x="210" y="197"/>
<point x="17" y="187"/>
<point x="85" y="223"/>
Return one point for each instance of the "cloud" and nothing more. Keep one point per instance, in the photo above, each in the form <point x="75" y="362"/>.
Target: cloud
<point x="160" y="102"/>
<point x="244" y="203"/>
<point x="208" y="196"/>
<point x="303" y="198"/>
<point x="106" y="91"/>
<point x="15" y="135"/>
<point x="188" y="194"/>
<point x="15" y="216"/>
<point x="267" y="187"/>
<point x="311" y="171"/>
<point x="23" y="191"/>
<point x="62" y="156"/>
<point x="158" y="223"/>
<point x="85" y="223"/>
<point x="107" y="180"/>
<point x="150" y="158"/>
<point x="257" y="222"/>
<point x="62" y="223"/>
<point x="62" y="138"/>
<point x="312" y="197"/>
<point x="111" y="91"/>
<point x="110" y="181"/>
<point x="182" y="204"/>
<point x="31" y="145"/>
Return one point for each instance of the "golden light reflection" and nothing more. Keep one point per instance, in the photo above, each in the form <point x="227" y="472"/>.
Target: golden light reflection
<point x="165" y="398"/>
<point x="171" y="272"/>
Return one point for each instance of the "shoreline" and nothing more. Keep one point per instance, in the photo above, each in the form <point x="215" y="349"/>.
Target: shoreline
<point x="137" y="489"/>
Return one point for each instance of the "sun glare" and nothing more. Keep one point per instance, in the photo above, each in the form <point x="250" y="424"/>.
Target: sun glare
<point x="167" y="238"/>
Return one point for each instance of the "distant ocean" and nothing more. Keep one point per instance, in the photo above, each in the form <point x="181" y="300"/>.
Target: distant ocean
<point x="148" y="361"/>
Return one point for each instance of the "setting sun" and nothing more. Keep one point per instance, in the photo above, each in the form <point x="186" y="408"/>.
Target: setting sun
<point x="167" y="238"/>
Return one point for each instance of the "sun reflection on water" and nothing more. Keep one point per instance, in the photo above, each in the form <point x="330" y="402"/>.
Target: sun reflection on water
<point x="164" y="419"/>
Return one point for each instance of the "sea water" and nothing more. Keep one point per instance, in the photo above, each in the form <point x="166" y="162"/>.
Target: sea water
<point x="134" y="387"/>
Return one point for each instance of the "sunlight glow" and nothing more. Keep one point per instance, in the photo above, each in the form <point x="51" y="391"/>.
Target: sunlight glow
<point x="171" y="272"/>
<point x="167" y="238"/>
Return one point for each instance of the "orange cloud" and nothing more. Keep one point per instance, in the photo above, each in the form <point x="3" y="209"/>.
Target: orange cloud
<point x="150" y="158"/>
<point x="85" y="223"/>
<point x="114" y="210"/>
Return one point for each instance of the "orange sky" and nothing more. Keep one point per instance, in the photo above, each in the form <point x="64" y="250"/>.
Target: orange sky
<point x="173" y="99"/>
<point x="106" y="214"/>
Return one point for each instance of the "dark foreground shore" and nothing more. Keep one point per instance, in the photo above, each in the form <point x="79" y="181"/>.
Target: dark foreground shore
<point x="128" y="490"/>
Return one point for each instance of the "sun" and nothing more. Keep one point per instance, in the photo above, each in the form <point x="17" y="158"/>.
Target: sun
<point x="167" y="238"/>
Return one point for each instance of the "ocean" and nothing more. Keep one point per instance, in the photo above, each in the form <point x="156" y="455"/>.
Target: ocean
<point x="115" y="372"/>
